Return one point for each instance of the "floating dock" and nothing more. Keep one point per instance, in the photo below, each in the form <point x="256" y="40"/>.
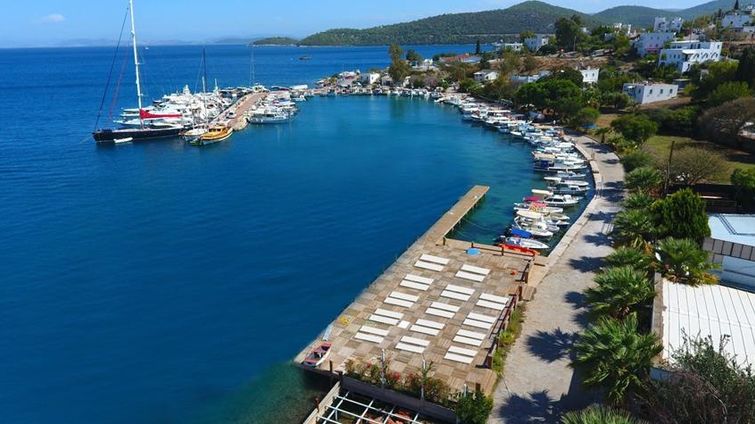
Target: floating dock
<point x="437" y="302"/>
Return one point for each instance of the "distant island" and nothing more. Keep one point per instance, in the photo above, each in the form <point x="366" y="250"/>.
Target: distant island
<point x="488" y="26"/>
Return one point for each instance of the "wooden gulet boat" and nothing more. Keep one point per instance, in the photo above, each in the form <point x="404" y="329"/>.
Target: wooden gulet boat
<point x="214" y="134"/>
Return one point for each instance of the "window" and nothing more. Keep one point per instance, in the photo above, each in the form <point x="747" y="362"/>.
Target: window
<point x="649" y="92"/>
<point x="661" y="91"/>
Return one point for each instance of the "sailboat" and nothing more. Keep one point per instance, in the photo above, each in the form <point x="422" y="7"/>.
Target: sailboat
<point x="145" y="129"/>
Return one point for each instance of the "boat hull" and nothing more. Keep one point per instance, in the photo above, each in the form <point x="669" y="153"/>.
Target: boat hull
<point x="137" y="134"/>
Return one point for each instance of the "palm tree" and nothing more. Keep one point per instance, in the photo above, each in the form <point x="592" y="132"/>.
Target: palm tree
<point x="633" y="228"/>
<point x="644" y="179"/>
<point x="616" y="357"/>
<point x="630" y="256"/>
<point x="599" y="415"/>
<point x="683" y="261"/>
<point x="619" y="292"/>
<point x="638" y="200"/>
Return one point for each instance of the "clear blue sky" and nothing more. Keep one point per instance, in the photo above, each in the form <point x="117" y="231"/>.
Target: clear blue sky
<point x="54" y="22"/>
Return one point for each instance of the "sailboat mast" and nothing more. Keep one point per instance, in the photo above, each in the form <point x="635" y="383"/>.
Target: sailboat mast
<point x="204" y="76"/>
<point x="136" y="58"/>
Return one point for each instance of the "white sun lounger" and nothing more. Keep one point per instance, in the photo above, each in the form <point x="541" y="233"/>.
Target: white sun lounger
<point x="439" y="313"/>
<point x="467" y="341"/>
<point x="383" y="320"/>
<point x="431" y="324"/>
<point x="459" y="289"/>
<point x="424" y="330"/>
<point x="391" y="314"/>
<point x="403" y="296"/>
<point x="413" y="285"/>
<point x="428" y="265"/>
<point x="475" y="269"/>
<point x="418" y="279"/>
<point x="478" y="324"/>
<point x="415" y="341"/>
<point x="368" y="338"/>
<point x="410" y="348"/>
<point x="434" y="259"/>
<point x="472" y="334"/>
<point x="481" y="317"/>
<point x="469" y="276"/>
<point x="491" y="305"/>
<point x="454" y="295"/>
<point x="496" y="299"/>
<point x="461" y="351"/>
<point x="445" y="306"/>
<point x="459" y="358"/>
<point x="398" y="302"/>
<point x="373" y="330"/>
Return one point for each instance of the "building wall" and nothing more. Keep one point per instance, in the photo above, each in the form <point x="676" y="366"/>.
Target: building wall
<point x="652" y="42"/>
<point x="650" y="93"/>
<point x="737" y="261"/>
<point x="736" y="20"/>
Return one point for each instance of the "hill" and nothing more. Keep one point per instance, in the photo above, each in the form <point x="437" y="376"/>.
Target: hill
<point x="643" y="16"/>
<point x="276" y="41"/>
<point x="454" y="28"/>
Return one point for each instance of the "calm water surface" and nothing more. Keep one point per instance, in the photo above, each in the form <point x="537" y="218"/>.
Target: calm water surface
<point x="163" y="283"/>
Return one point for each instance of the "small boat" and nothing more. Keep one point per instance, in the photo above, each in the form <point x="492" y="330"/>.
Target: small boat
<point x="123" y="140"/>
<point x="563" y="200"/>
<point x="527" y="243"/>
<point x="566" y="188"/>
<point x="214" y="134"/>
<point x="305" y="57"/>
<point x="318" y="355"/>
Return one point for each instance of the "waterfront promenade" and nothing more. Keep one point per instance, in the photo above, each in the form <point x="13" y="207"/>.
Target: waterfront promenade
<point x="538" y="384"/>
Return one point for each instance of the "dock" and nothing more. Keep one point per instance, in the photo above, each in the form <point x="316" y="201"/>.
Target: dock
<point x="439" y="302"/>
<point x="240" y="110"/>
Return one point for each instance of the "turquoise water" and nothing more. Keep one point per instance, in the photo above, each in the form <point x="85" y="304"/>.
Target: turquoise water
<point x="159" y="282"/>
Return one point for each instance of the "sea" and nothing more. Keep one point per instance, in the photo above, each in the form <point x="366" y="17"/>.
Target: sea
<point x="159" y="282"/>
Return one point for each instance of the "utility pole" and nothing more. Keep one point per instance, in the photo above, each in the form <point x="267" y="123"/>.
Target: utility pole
<point x="668" y="169"/>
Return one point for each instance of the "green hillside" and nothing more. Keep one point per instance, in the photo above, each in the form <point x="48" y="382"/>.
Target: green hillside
<point x="643" y="16"/>
<point x="454" y="28"/>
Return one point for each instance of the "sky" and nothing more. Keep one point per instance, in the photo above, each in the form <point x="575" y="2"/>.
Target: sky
<point x="65" y="22"/>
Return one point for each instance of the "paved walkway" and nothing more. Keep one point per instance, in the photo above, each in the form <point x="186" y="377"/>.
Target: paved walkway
<point x="538" y="383"/>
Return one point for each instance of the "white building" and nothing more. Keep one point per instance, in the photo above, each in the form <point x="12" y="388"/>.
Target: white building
<point x="590" y="75"/>
<point x="652" y="42"/>
<point x="535" y="43"/>
<point x="524" y="79"/>
<point x="732" y="245"/>
<point x="485" y="76"/>
<point x="661" y="24"/>
<point x="684" y="54"/>
<point x="643" y="93"/>
<point x="516" y="47"/>
<point x="370" y="78"/>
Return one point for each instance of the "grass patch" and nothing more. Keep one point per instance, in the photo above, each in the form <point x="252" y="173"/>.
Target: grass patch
<point x="508" y="337"/>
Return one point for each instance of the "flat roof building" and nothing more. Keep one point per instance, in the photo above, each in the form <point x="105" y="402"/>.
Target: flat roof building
<point x="643" y="93"/>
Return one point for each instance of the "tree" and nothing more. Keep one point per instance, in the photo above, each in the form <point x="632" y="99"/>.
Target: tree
<point x="743" y="181"/>
<point x="619" y="292"/>
<point x="525" y="35"/>
<point x="692" y="165"/>
<point x="746" y="67"/>
<point x="644" y="180"/>
<point x="718" y="73"/>
<point x="474" y="408"/>
<point x="637" y="128"/>
<point x="412" y="56"/>
<point x="615" y="99"/>
<point x="633" y="228"/>
<point x="566" y="73"/>
<point x="630" y="256"/>
<point x="568" y="33"/>
<point x="722" y="124"/>
<point x="478" y="48"/>
<point x="530" y="63"/>
<point x="683" y="261"/>
<point x="586" y="117"/>
<point x="399" y="69"/>
<point x="564" y="97"/>
<point x="728" y="91"/>
<point x="682" y="216"/>
<point x="616" y="357"/>
<point x="598" y="415"/>
<point x="636" y="159"/>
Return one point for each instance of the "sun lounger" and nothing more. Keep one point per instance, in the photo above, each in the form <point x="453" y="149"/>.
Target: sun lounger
<point x="383" y="320"/>
<point x="398" y="302"/>
<point x="415" y="341"/>
<point x="404" y="324"/>
<point x="373" y="330"/>
<point x="469" y="276"/>
<point x="368" y="338"/>
<point x="467" y="341"/>
<point x="403" y="296"/>
<point x="410" y="348"/>
<point x="418" y="279"/>
<point x="434" y="259"/>
<point x="428" y="265"/>
<point x="440" y="313"/>
<point x="478" y="324"/>
<point x="496" y="299"/>
<point x="472" y="334"/>
<point x="454" y="295"/>
<point x="431" y="324"/>
<point x="481" y="317"/>
<point x="445" y="306"/>
<point x="459" y="289"/>
<point x="491" y="305"/>
<point x="391" y="314"/>
<point x="475" y="269"/>
<point x="461" y="351"/>
<point x="413" y="285"/>
<point x="459" y="358"/>
<point x="424" y="330"/>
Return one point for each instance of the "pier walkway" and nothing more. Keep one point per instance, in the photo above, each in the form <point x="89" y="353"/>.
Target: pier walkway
<point x="538" y="383"/>
<point x="240" y="109"/>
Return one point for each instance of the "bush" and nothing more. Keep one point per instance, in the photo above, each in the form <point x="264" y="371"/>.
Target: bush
<point x="474" y="408"/>
<point x="636" y="159"/>
<point x="692" y="165"/>
<point x="633" y="228"/>
<point x="644" y="180"/>
<point x="728" y="91"/>
<point x="586" y="117"/>
<point x="722" y="124"/>
<point x="637" y="128"/>
<point x="630" y="256"/>
<point x="598" y="415"/>
<point x="619" y="292"/>
<point x="743" y="181"/>
<point x="641" y="201"/>
<point x="682" y="216"/>
<point x="683" y="261"/>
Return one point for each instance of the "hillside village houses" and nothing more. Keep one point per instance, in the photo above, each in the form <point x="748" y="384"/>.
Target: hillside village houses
<point x="663" y="32"/>
<point x="590" y="75"/>
<point x="647" y="92"/>
<point x="661" y="24"/>
<point x="684" y="54"/>
<point x="740" y="20"/>
<point x="486" y="75"/>
<point x="535" y="43"/>
<point x="516" y="47"/>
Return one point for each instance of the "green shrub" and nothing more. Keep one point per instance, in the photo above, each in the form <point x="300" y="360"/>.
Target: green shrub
<point x="636" y="159"/>
<point x="682" y="216"/>
<point x="474" y="408"/>
<point x="599" y="415"/>
<point x="644" y="180"/>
